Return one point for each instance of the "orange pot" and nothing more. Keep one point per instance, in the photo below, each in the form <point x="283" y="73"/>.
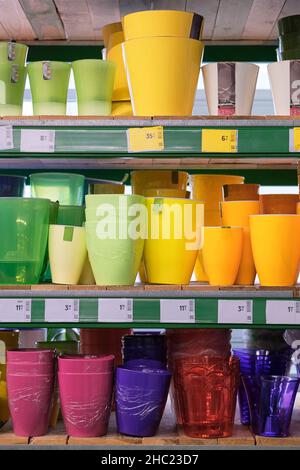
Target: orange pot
<point x="278" y="203"/>
<point x="240" y="192"/>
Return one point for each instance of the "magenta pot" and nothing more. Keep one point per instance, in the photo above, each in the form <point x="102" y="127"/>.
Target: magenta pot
<point x="85" y="402"/>
<point x="29" y="401"/>
<point x="30" y="355"/>
<point x="27" y="368"/>
<point x="83" y="364"/>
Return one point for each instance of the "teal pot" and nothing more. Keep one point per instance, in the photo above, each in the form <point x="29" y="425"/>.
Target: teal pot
<point x="13" y="53"/>
<point x="12" y="87"/>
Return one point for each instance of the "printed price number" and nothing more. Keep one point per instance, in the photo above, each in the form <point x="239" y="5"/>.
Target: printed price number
<point x="58" y="310"/>
<point x="145" y="139"/>
<point x="283" y="312"/>
<point x="235" y="311"/>
<point x="219" y="141"/>
<point x="115" y="310"/>
<point x="6" y="138"/>
<point x="15" y="310"/>
<point x="177" y="311"/>
<point x="37" y="140"/>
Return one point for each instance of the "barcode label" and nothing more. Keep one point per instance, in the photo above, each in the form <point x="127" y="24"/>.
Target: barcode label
<point x="15" y="310"/>
<point x="235" y="311"/>
<point x="283" y="312"/>
<point x="177" y="311"/>
<point x="61" y="310"/>
<point x="115" y="310"/>
<point x="37" y="140"/>
<point x="6" y="138"/>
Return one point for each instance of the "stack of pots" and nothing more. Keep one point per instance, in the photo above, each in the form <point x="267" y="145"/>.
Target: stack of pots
<point x="30" y="382"/>
<point x="166" y="84"/>
<point x="85" y="388"/>
<point x="113" y="37"/>
<point x="12" y="77"/>
<point x="144" y="350"/>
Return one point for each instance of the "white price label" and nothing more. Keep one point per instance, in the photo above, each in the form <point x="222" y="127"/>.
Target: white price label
<point x="283" y="312"/>
<point x="61" y="310"/>
<point x="6" y="138"/>
<point x="177" y="311"/>
<point x="15" y="310"/>
<point x="37" y="140"/>
<point x="235" y="311"/>
<point x="115" y="310"/>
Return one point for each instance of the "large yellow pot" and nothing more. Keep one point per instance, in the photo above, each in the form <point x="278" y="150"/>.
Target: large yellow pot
<point x="222" y="252"/>
<point x="236" y="214"/>
<point x="181" y="24"/>
<point x="162" y="74"/>
<point x="121" y="92"/>
<point x="174" y="238"/>
<point x="276" y="248"/>
<point x="121" y="108"/>
<point x="110" y="29"/>
<point x="115" y="39"/>
<point x="144" y="180"/>
<point x="298" y="208"/>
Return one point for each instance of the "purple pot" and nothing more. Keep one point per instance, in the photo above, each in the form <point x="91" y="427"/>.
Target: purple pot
<point x="86" y="363"/>
<point x="12" y="186"/>
<point x="144" y="346"/>
<point x="140" y="400"/>
<point x="144" y="364"/>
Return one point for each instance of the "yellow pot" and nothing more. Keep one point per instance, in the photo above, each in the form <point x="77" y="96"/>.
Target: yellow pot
<point x="181" y="24"/>
<point x="121" y="91"/>
<point x="179" y="193"/>
<point x="162" y="74"/>
<point x="67" y="253"/>
<point x="199" y="272"/>
<point x="236" y="213"/>
<point x="121" y="108"/>
<point x="174" y="239"/>
<point x="222" y="252"/>
<point x="298" y="208"/>
<point x="107" y="188"/>
<point x="276" y="248"/>
<point x="110" y="29"/>
<point x="115" y="39"/>
<point x="143" y="180"/>
<point x="87" y="276"/>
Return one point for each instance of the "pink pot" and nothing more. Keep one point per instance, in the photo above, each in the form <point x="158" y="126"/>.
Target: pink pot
<point x="29" y="401"/>
<point x="27" y="368"/>
<point x="85" y="403"/>
<point x="29" y="355"/>
<point x="86" y="364"/>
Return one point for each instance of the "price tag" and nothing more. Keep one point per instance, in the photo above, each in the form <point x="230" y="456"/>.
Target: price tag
<point x="283" y="312"/>
<point x="6" y="138"/>
<point x="62" y="310"/>
<point x="294" y="139"/>
<point x="235" y="311"/>
<point x="177" y="311"/>
<point x="15" y="310"/>
<point x="145" y="139"/>
<point x="115" y="310"/>
<point x="37" y="140"/>
<point x="219" y="140"/>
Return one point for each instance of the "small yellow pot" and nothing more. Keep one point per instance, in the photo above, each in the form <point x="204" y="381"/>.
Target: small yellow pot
<point x="236" y="213"/>
<point x="174" y="238"/>
<point x="110" y="29"/>
<point x="222" y="252"/>
<point x="107" y="188"/>
<point x="121" y="91"/>
<point x="121" y="108"/>
<point x="67" y="253"/>
<point x="144" y="180"/>
<point x="115" y="39"/>
<point x="87" y="277"/>
<point x="276" y="248"/>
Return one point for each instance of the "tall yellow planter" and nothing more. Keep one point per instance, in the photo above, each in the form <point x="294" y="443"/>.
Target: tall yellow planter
<point x="276" y="248"/>
<point x="110" y="29"/>
<point x="222" y="252"/>
<point x="121" y="91"/>
<point x="174" y="238"/>
<point x="162" y="74"/>
<point x="236" y="213"/>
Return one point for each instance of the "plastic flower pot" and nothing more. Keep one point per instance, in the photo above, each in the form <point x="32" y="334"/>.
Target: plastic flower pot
<point x="49" y="82"/>
<point x="121" y="108"/>
<point x="298" y="208"/>
<point x="87" y="276"/>
<point x="158" y="23"/>
<point x="240" y="192"/>
<point x="13" y="53"/>
<point x="94" y="81"/>
<point x="29" y="355"/>
<point x="115" y="39"/>
<point x="110" y="29"/>
<point x="62" y="347"/>
<point x="107" y="342"/>
<point x="53" y="214"/>
<point x="70" y="215"/>
<point x="278" y="203"/>
<point x="283" y="77"/>
<point x="67" y="188"/>
<point x="121" y="91"/>
<point x="29" y="336"/>
<point x="290" y="54"/>
<point x="108" y="188"/>
<point x="177" y="193"/>
<point x="276" y="257"/>
<point x="289" y="41"/>
<point x="236" y="214"/>
<point x="23" y="245"/>
<point x="144" y="347"/>
<point x="230" y="87"/>
<point x="142" y="181"/>
<point x="166" y="84"/>
<point x="12" y="80"/>
<point x="174" y="241"/>
<point x="12" y="185"/>
<point x="222" y="254"/>
<point x="141" y="396"/>
<point x="30" y="368"/>
<point x="144" y="364"/>
<point x="85" y="363"/>
<point x="288" y="24"/>
<point x="67" y="253"/>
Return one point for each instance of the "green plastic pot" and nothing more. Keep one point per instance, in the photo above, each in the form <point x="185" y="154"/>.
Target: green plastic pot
<point x="49" y="82"/>
<point x="24" y="226"/>
<point x="94" y="81"/>
<point x="291" y="54"/>
<point x="13" y="53"/>
<point x="289" y="41"/>
<point x="288" y="24"/>
<point x="53" y="213"/>
<point x="12" y="87"/>
<point x="61" y="347"/>
<point x="71" y="215"/>
<point x="67" y="188"/>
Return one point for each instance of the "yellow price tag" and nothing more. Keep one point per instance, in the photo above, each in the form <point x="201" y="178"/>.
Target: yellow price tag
<point x="145" y="139"/>
<point x="296" y="139"/>
<point x="219" y="140"/>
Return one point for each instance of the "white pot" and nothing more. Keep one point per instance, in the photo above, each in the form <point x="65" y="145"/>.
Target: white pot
<point x="284" y="79"/>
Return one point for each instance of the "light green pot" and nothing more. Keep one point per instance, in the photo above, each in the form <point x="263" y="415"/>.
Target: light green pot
<point x="49" y="82"/>
<point x="12" y="87"/>
<point x="13" y="53"/>
<point x="94" y="80"/>
<point x="67" y="188"/>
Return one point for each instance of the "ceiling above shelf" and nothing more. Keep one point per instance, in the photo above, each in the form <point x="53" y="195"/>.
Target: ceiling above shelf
<point x="252" y="21"/>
